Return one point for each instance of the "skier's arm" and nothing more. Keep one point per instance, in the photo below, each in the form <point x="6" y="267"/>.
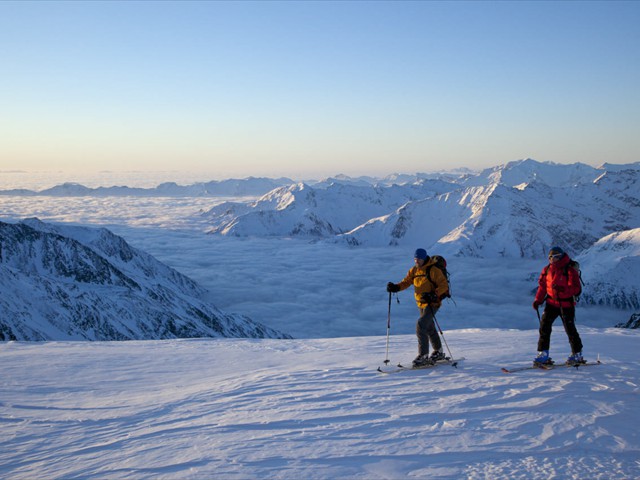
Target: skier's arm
<point x="407" y="281"/>
<point x="541" y="294"/>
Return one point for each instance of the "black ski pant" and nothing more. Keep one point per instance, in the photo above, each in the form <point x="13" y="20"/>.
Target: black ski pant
<point x="426" y="331"/>
<point x="568" y="316"/>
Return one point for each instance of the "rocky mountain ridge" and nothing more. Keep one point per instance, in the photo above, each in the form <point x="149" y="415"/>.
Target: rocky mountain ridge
<point x="77" y="283"/>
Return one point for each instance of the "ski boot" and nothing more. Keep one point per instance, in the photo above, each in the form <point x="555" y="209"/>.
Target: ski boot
<point x="575" y="359"/>
<point x="437" y="356"/>
<point x="421" y="361"/>
<point x="542" y="359"/>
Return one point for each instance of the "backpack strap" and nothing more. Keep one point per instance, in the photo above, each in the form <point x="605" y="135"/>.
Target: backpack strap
<point x="428" y="275"/>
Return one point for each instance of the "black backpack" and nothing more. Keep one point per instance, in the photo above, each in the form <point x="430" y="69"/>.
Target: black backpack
<point x="441" y="264"/>
<point x="576" y="266"/>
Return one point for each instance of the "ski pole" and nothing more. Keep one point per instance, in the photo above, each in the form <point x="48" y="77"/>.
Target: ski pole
<point x="388" y="328"/>
<point x="538" y="312"/>
<point x="435" y="320"/>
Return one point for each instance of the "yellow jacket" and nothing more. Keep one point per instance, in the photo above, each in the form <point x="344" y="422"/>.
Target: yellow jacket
<point x="436" y="283"/>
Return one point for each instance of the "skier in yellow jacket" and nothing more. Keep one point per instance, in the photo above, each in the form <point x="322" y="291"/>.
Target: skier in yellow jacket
<point x="430" y="288"/>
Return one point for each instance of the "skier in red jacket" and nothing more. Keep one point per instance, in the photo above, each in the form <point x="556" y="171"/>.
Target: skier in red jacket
<point x="558" y="285"/>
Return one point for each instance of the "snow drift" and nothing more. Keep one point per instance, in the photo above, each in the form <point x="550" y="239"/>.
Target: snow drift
<point x="318" y="409"/>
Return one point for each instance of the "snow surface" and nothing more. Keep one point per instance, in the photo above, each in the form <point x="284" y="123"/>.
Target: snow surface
<point x="317" y="409"/>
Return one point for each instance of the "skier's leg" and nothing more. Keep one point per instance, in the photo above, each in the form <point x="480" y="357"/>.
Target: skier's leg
<point x="569" y="322"/>
<point x="422" y="334"/>
<point x="428" y="328"/>
<point x="546" y="323"/>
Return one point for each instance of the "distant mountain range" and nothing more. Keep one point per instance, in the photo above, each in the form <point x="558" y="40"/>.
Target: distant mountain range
<point x="77" y="283"/>
<point x="517" y="210"/>
<point x="226" y="188"/>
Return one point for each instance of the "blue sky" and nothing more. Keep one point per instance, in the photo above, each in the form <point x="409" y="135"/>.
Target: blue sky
<point x="309" y="89"/>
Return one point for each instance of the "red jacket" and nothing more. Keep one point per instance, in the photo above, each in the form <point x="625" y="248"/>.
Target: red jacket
<point x="558" y="284"/>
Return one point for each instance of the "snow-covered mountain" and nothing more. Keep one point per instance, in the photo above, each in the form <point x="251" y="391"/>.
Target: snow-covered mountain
<point x="610" y="270"/>
<point x="306" y="211"/>
<point x="69" y="283"/>
<point x="616" y="167"/>
<point x="458" y="175"/>
<point x="498" y="220"/>
<point x="528" y="170"/>
<point x="420" y="222"/>
<point x="518" y="210"/>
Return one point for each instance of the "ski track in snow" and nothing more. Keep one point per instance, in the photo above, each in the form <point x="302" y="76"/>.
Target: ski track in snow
<point x="228" y="408"/>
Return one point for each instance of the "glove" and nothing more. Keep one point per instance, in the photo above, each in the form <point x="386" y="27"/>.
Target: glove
<point x="444" y="295"/>
<point x="536" y="304"/>
<point x="428" y="297"/>
<point x="392" y="287"/>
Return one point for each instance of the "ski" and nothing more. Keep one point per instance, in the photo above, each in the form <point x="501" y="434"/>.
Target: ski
<point x="549" y="367"/>
<point x="537" y="366"/>
<point x="402" y="368"/>
<point x="577" y="365"/>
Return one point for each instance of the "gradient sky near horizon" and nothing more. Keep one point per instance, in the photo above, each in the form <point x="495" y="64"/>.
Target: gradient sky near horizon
<point x="316" y="88"/>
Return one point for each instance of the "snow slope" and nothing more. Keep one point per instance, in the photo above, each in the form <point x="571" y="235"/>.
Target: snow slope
<point x="612" y="268"/>
<point x="317" y="409"/>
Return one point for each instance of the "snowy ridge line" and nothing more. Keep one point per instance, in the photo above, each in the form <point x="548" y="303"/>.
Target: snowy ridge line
<point x="512" y="173"/>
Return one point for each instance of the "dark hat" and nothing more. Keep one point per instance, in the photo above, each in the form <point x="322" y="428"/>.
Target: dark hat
<point x="556" y="251"/>
<point x="421" y="253"/>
